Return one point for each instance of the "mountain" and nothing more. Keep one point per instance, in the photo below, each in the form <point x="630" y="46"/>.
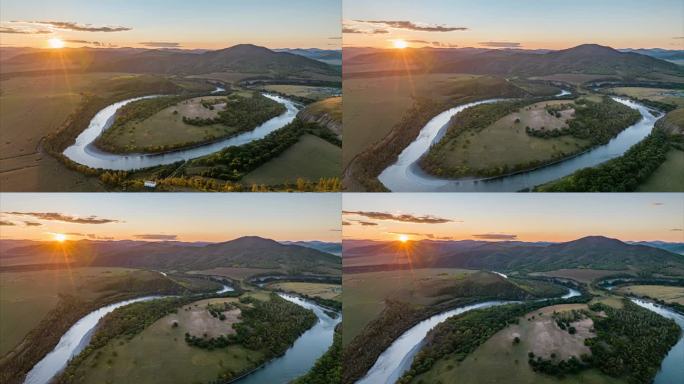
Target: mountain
<point x="247" y="252"/>
<point x="328" y="56"/>
<point x="586" y="58"/>
<point x="673" y="55"/>
<point x="239" y="58"/>
<point x="671" y="247"/>
<point x="589" y="252"/>
<point x="328" y="247"/>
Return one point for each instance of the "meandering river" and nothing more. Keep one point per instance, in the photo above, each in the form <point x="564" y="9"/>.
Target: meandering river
<point x="405" y="175"/>
<point x="398" y="357"/>
<point x="84" y="152"/>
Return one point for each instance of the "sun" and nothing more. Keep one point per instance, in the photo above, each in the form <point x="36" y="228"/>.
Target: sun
<point x="400" y="44"/>
<point x="403" y="238"/>
<point x="56" y="42"/>
<point x="59" y="237"/>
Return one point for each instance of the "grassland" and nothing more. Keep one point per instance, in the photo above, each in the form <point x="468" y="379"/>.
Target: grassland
<point x="499" y="360"/>
<point x="666" y="293"/>
<point x="325" y="291"/>
<point x="667" y="178"/>
<point x="310" y="158"/>
<point x="373" y="106"/>
<point x="167" y="129"/>
<point x="506" y="144"/>
<point x="123" y="360"/>
<point x="581" y="275"/>
<point x="665" y="95"/>
<point x="26" y="297"/>
<point x="309" y="92"/>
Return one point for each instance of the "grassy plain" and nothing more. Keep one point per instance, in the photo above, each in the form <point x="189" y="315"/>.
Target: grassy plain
<point x="310" y="92"/>
<point x="661" y="292"/>
<point x="310" y="158"/>
<point x="26" y="297"/>
<point x="506" y="143"/>
<point x="325" y="291"/>
<point x="581" y="275"/>
<point x="364" y="294"/>
<point x="372" y="106"/>
<point x="670" y="96"/>
<point x="166" y="127"/>
<point x="667" y="178"/>
<point x="125" y="361"/>
<point x="498" y="360"/>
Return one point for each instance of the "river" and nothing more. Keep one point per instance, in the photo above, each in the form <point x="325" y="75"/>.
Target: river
<point x="77" y="338"/>
<point x="405" y="175"/>
<point x="672" y="367"/>
<point x="398" y="357"/>
<point x="299" y="359"/>
<point x="84" y="152"/>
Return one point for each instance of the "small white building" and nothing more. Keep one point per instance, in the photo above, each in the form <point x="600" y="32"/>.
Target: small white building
<point x="150" y="184"/>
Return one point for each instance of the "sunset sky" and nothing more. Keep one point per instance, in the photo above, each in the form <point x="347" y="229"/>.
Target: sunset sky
<point x="524" y="217"/>
<point x="531" y="24"/>
<point x="184" y="217"/>
<point x="172" y="23"/>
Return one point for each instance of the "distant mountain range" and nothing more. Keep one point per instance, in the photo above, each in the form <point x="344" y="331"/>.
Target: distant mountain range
<point x="595" y="252"/>
<point x="245" y="252"/>
<point x="332" y="248"/>
<point x="587" y="58"/>
<point x="245" y="58"/>
<point x="328" y="56"/>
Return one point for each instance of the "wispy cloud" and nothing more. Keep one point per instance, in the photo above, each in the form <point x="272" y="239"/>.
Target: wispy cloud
<point x="22" y="31"/>
<point x="499" y="44"/>
<point x="657" y="204"/>
<point x="335" y="38"/>
<point x="677" y="230"/>
<point x="72" y="26"/>
<point x="411" y="26"/>
<point x="55" y="216"/>
<point x="7" y="223"/>
<point x="96" y="43"/>
<point x="351" y="30"/>
<point x="346" y="223"/>
<point x="160" y="44"/>
<point x="495" y="236"/>
<point x="366" y="223"/>
<point x="379" y="31"/>
<point x="32" y="224"/>
<point x="148" y="236"/>
<point x="405" y="218"/>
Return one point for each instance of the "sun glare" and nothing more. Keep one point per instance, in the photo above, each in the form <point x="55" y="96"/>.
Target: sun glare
<point x="403" y="238"/>
<point x="56" y="42"/>
<point x="400" y="44"/>
<point x="59" y="237"/>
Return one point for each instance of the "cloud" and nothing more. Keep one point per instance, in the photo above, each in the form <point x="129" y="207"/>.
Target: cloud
<point x="411" y="26"/>
<point x="379" y="31"/>
<point x="96" y="43"/>
<point x="32" y="224"/>
<point x="24" y="31"/>
<point x="657" y="204"/>
<point x="160" y="44"/>
<point x="428" y="235"/>
<point x="678" y="37"/>
<point x="499" y="44"/>
<point x="351" y="30"/>
<point x="8" y="223"/>
<point x="335" y="38"/>
<point x="405" y="218"/>
<point x="677" y="230"/>
<point x="418" y="42"/>
<point x="335" y="230"/>
<point x="366" y="223"/>
<point x="54" y="216"/>
<point x="495" y="236"/>
<point x="71" y="26"/>
<point x="78" y="234"/>
<point x="156" y="237"/>
<point x="346" y="223"/>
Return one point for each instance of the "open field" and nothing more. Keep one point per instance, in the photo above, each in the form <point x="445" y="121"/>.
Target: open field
<point x="327" y="112"/>
<point x="574" y="78"/>
<point x="125" y="361"/>
<point x="236" y="273"/>
<point x="661" y="292"/>
<point x="372" y="106"/>
<point x="166" y="128"/>
<point x="498" y="360"/>
<point x="667" y="178"/>
<point x="581" y="275"/>
<point x="325" y="291"/>
<point x="670" y="96"/>
<point x="310" y="92"/>
<point x="26" y="297"/>
<point x="310" y="158"/>
<point x="506" y="144"/>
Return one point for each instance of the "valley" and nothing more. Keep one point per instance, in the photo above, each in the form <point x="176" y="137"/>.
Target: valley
<point x="450" y="135"/>
<point x="128" y="117"/>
